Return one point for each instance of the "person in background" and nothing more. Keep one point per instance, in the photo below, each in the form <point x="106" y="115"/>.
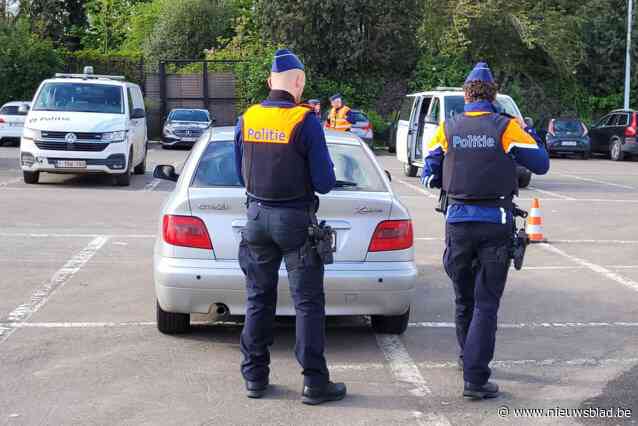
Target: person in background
<point x="340" y="117"/>
<point x="316" y="107"/>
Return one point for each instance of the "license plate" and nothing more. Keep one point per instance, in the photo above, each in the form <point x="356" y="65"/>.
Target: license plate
<point x="71" y="164"/>
<point x="14" y="124"/>
<point x="569" y="143"/>
<point x="189" y="139"/>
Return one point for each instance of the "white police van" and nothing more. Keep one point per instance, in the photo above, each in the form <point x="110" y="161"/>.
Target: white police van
<point x="85" y="123"/>
<point x="420" y="116"/>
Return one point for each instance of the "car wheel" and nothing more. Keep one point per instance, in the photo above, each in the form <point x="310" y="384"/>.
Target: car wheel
<point x="140" y="169"/>
<point x="392" y="149"/>
<point x="31" y="177"/>
<point x="171" y="322"/>
<point x="586" y="155"/>
<point x="390" y="324"/>
<point x="616" y="153"/>
<point x="166" y="147"/>
<point x="125" y="178"/>
<point x="410" y="170"/>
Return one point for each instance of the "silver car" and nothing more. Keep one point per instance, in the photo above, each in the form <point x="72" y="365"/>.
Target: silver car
<point x="195" y="257"/>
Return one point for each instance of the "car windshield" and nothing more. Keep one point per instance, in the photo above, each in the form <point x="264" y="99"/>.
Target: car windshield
<point x="568" y="126"/>
<point x="80" y="97"/>
<point x="354" y="170"/>
<point x="188" y="115"/>
<point x="11" y="110"/>
<point x="455" y="105"/>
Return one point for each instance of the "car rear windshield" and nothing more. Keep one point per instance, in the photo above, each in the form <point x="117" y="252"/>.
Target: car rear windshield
<point x="359" y="116"/>
<point x="188" y="115"/>
<point x="353" y="168"/>
<point x="568" y="126"/>
<point x="455" y="105"/>
<point x="80" y="97"/>
<point x="11" y="110"/>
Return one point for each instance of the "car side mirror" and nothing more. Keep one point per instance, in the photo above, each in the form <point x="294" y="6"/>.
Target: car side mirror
<point x="23" y="108"/>
<point x="165" y="172"/>
<point x="529" y="121"/>
<point x="138" y="113"/>
<point x="387" y="173"/>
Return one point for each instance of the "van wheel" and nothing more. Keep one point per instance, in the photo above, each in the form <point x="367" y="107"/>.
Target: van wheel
<point x="171" y="322"/>
<point x="31" y="177"/>
<point x="410" y="170"/>
<point x="390" y="324"/>
<point x="140" y="169"/>
<point x="392" y="149"/>
<point x="125" y="178"/>
<point x="616" y="153"/>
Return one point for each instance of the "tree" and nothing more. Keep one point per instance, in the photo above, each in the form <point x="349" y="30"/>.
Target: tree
<point x="61" y="21"/>
<point x="25" y="60"/>
<point x="107" y="24"/>
<point x="187" y="28"/>
<point x="341" y="37"/>
<point x="142" y="21"/>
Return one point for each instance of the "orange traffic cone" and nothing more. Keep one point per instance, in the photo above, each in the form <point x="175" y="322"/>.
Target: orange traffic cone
<point x="534" y="227"/>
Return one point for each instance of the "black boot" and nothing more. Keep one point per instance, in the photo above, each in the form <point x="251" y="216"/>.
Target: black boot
<point x="256" y="389"/>
<point x="314" y="395"/>
<point x="488" y="390"/>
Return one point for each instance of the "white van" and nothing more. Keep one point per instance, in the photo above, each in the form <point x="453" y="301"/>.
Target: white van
<point x="85" y="123"/>
<point x="420" y="116"/>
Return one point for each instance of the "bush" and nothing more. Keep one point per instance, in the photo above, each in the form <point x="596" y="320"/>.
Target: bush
<point x="379" y="124"/>
<point x="25" y="60"/>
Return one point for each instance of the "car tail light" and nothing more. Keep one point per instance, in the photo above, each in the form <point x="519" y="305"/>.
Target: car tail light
<point x="368" y="126"/>
<point x="550" y="127"/>
<point x="392" y="235"/>
<point x="186" y="231"/>
<point x="632" y="129"/>
<point x="2" y="120"/>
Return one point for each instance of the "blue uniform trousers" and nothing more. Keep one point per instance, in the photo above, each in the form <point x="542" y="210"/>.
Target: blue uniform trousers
<point x="477" y="260"/>
<point x="273" y="234"/>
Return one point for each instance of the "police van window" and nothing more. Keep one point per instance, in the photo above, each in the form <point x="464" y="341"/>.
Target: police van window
<point x="130" y="100"/>
<point x="454" y="105"/>
<point x="217" y="167"/>
<point x="433" y="116"/>
<point x="80" y="97"/>
<point x="352" y="164"/>
<point x="406" y="108"/>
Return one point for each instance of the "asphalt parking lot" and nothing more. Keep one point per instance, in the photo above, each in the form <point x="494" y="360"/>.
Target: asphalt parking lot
<point x="78" y="344"/>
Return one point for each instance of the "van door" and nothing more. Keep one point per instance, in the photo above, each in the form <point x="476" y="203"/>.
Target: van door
<point x="403" y="128"/>
<point x="415" y="139"/>
<point x="136" y="128"/>
<point x="430" y="124"/>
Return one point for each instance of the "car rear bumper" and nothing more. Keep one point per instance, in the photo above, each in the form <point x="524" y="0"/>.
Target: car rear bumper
<point x="363" y="288"/>
<point x="11" y="132"/>
<point x="630" y="147"/>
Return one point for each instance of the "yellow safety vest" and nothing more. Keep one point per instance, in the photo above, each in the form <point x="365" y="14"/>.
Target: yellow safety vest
<point x="337" y="119"/>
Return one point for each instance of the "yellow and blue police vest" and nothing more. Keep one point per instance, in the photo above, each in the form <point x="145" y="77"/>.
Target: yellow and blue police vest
<point x="274" y="163"/>
<point x="337" y="119"/>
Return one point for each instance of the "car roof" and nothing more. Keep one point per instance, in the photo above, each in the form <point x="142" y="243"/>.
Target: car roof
<point x="622" y="110"/>
<point x="227" y="133"/>
<point x="16" y="103"/>
<point x="447" y="91"/>
<point x="103" y="81"/>
<point x="189" y="109"/>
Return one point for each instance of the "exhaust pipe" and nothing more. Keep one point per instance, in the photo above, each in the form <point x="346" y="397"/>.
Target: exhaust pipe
<point x="221" y="310"/>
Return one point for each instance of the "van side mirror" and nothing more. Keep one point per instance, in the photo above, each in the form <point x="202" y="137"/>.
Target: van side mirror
<point x="165" y="172"/>
<point x="138" y="113"/>
<point x="23" y="108"/>
<point x="387" y="173"/>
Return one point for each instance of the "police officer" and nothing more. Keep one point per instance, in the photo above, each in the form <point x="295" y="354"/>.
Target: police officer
<point x="340" y="117"/>
<point x="315" y="104"/>
<point x="481" y="149"/>
<point x="282" y="159"/>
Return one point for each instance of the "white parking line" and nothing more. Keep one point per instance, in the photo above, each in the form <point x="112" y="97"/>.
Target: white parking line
<point x="41" y="295"/>
<point x="523" y="325"/>
<point x="627" y="282"/>
<point x="551" y="193"/>
<point x="417" y="189"/>
<point x="404" y="370"/>
<point x="63" y="235"/>
<point x="602" y="182"/>
<point x="152" y="185"/>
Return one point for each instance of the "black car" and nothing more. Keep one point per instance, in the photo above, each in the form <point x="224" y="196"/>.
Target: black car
<point x="183" y="127"/>
<point x="615" y="134"/>
<point x="567" y="136"/>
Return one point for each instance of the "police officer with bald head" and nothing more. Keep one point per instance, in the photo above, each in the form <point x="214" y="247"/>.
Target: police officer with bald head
<point x="473" y="158"/>
<point x="282" y="158"/>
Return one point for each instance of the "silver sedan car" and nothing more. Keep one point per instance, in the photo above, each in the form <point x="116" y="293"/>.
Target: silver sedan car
<point x="195" y="257"/>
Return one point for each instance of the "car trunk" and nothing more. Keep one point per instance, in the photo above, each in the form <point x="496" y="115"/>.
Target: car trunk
<point x="354" y="215"/>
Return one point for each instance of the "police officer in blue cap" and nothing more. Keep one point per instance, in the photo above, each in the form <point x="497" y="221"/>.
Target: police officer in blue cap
<point x="282" y="159"/>
<point x="481" y="149"/>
